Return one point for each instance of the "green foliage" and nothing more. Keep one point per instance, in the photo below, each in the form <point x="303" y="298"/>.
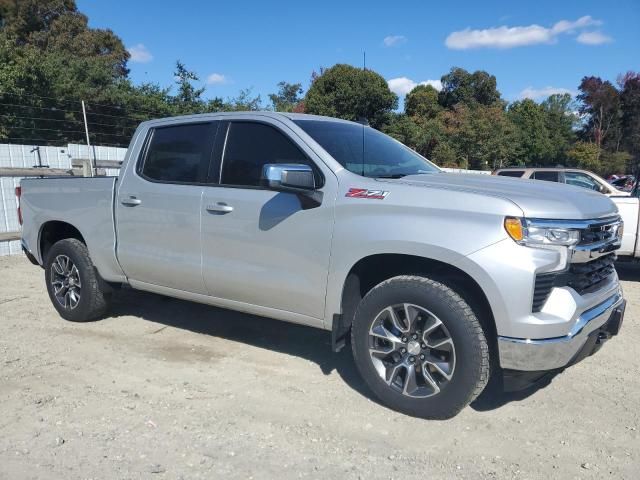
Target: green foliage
<point x="287" y="97"/>
<point x="422" y="101"/>
<point x="630" y="106"/>
<point x="445" y="155"/>
<point x="351" y="93"/>
<point x="534" y="142"/>
<point x="560" y="122"/>
<point x="189" y="98"/>
<point x="403" y="129"/>
<point x="460" y="86"/>
<point x="584" y="155"/>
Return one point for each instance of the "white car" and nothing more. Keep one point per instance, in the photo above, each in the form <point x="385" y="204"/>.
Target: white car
<point x="627" y="202"/>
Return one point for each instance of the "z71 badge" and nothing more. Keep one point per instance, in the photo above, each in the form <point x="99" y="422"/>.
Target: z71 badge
<point x="364" y="193"/>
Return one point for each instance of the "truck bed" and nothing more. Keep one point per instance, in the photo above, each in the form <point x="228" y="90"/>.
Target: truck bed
<point x="86" y="203"/>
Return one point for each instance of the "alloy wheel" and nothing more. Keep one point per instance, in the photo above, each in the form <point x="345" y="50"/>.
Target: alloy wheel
<point x="412" y="350"/>
<point x="65" y="281"/>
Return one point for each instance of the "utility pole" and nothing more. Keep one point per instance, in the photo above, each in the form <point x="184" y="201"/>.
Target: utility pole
<point x="92" y="159"/>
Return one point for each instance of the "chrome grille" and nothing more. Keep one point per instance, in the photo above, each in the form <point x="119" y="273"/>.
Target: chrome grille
<point x="591" y="260"/>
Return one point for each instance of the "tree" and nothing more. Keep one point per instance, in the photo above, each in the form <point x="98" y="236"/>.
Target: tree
<point x="445" y="155"/>
<point x="484" y="137"/>
<point x="584" y="155"/>
<point x="422" y="101"/>
<point x="533" y="141"/>
<point x="560" y="121"/>
<point x="630" y="105"/>
<point x="58" y="26"/>
<point x="351" y="93"/>
<point x="404" y="129"/>
<point x="460" y="86"/>
<point x="189" y="98"/>
<point x="600" y="105"/>
<point x="245" y="101"/>
<point x="287" y="97"/>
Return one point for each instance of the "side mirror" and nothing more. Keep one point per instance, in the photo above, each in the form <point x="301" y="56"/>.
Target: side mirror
<point x="293" y="178"/>
<point x="288" y="177"/>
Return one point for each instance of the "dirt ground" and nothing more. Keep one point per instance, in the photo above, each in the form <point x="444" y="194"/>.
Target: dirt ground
<point x="169" y="389"/>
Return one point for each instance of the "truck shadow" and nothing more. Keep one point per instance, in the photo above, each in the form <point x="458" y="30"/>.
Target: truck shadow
<point x="628" y="271"/>
<point x="494" y="396"/>
<point x="305" y="342"/>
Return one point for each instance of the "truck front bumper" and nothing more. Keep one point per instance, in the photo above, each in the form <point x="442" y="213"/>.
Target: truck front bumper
<point x="594" y="326"/>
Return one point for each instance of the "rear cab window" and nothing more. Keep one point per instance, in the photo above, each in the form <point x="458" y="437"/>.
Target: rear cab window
<point x="178" y="153"/>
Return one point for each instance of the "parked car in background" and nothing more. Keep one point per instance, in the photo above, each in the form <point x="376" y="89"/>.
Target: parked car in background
<point x="623" y="182"/>
<point x="437" y="280"/>
<point x="570" y="176"/>
<point x="627" y="201"/>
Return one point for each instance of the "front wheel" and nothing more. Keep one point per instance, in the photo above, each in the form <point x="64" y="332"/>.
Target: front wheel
<point x="419" y="347"/>
<point x="75" y="289"/>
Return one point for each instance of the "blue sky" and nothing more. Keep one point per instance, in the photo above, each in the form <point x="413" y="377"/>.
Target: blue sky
<point x="532" y="47"/>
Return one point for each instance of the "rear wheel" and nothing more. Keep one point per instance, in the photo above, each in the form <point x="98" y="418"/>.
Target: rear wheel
<point x="419" y="347"/>
<point x="74" y="287"/>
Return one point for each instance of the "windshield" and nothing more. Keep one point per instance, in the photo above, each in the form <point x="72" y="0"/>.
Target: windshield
<point x="366" y="151"/>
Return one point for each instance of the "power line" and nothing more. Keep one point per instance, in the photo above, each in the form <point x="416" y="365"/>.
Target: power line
<point x="58" y="100"/>
<point x="34" y="141"/>
<point x="73" y="131"/>
<point x="122" y="117"/>
<point x="55" y="109"/>
<point x="63" y="120"/>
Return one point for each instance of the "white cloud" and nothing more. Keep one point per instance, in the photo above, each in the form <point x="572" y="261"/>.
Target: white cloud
<point x="565" y="26"/>
<point x="593" y="38"/>
<point x="535" y="93"/>
<point x="510" y="37"/>
<point x="403" y="85"/>
<point x="394" y="40"/>
<point x="216" y="79"/>
<point x="139" y="53"/>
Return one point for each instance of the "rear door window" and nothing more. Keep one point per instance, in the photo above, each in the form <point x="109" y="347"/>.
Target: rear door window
<point x="547" y="176"/>
<point x="178" y="153"/>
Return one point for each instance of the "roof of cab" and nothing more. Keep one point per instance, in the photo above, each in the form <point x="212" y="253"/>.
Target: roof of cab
<point x="261" y="113"/>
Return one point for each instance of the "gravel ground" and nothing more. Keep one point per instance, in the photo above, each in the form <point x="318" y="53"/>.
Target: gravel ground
<point x="169" y="389"/>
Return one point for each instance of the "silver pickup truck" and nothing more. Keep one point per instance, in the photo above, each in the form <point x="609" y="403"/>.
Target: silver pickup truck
<point x="438" y="281"/>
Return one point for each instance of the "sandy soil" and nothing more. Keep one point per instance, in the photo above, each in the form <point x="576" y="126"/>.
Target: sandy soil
<point x="168" y="389"/>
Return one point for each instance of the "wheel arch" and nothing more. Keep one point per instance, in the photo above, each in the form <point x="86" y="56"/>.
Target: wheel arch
<point x="373" y="269"/>
<point x="53" y="231"/>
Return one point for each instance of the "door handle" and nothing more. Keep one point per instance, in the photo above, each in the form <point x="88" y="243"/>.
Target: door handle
<point x="130" y="201"/>
<point x="219" y="207"/>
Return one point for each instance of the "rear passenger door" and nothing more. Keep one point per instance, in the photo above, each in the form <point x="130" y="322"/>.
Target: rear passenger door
<point x="261" y="247"/>
<point x="158" y="207"/>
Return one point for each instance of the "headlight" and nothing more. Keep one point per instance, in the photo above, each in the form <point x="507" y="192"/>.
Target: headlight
<point x="525" y="234"/>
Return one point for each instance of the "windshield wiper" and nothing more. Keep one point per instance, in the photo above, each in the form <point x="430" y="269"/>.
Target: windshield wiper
<point x="395" y="175"/>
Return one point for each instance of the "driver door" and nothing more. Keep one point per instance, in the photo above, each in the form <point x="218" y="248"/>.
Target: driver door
<point x="261" y="247"/>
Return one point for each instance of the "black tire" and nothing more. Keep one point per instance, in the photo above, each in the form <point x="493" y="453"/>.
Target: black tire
<point x="471" y="372"/>
<point x="95" y="294"/>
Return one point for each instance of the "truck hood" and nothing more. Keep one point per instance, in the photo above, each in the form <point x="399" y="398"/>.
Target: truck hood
<point x="536" y="198"/>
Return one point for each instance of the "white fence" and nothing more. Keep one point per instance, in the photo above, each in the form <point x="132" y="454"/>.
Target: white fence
<point x="26" y="156"/>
